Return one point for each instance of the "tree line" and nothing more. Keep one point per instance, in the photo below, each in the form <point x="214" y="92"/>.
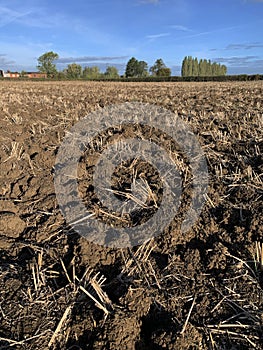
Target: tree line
<point x="46" y="64"/>
<point x="139" y="69"/>
<point x="75" y="71"/>
<point x="192" y="67"/>
<point x="135" y="69"/>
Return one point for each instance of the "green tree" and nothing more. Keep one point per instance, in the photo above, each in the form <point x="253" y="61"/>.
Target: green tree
<point x="131" y="67"/>
<point x="184" y="67"/>
<point x="195" y="71"/>
<point x="91" y="72"/>
<point x="135" y="68"/>
<point x="46" y="63"/>
<point x="205" y="63"/>
<point x="164" y="72"/>
<point x="209" y="68"/>
<point x="159" y="69"/>
<point x="202" y="68"/>
<point x="190" y="66"/>
<point x="73" y="71"/>
<point x="187" y="66"/>
<point x="159" y="64"/>
<point x="61" y="75"/>
<point x="142" y="69"/>
<point x="224" y="69"/>
<point x="111" y="72"/>
<point x="214" y="69"/>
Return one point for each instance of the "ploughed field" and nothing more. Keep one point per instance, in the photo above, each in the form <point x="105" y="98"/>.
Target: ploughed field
<point x="196" y="290"/>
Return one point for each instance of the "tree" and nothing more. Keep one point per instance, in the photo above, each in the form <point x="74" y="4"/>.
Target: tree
<point x="187" y="67"/>
<point x="91" y="72"/>
<point x="142" y="69"/>
<point x="159" y="64"/>
<point x="164" y="72"/>
<point x="135" y="68"/>
<point x="159" y="69"/>
<point x="46" y="65"/>
<point x="111" y="72"/>
<point x="190" y="66"/>
<point x="73" y="71"/>
<point x="184" y="67"/>
<point x="214" y="69"/>
<point x="203" y="67"/>
<point x="195" y="67"/>
<point x="131" y="68"/>
<point x="209" y="68"/>
<point x="61" y="75"/>
<point x="224" y="69"/>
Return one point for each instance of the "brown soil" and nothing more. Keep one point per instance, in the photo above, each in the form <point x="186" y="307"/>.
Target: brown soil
<point x="200" y="290"/>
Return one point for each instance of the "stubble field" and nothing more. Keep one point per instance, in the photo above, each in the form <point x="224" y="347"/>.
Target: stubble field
<point x="199" y="290"/>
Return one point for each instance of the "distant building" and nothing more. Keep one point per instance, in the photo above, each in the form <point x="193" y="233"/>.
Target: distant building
<point x="30" y="75"/>
<point x="9" y="74"/>
<point x="38" y="75"/>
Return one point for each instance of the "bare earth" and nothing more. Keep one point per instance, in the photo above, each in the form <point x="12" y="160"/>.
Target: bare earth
<point x="200" y="290"/>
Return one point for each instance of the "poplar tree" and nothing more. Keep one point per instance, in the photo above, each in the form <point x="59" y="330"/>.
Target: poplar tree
<point x="192" y="67"/>
<point x="184" y="67"/>
<point x="195" y="67"/>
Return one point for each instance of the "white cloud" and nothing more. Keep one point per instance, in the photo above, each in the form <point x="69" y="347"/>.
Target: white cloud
<point x="209" y="32"/>
<point x="180" y="28"/>
<point x="157" y="36"/>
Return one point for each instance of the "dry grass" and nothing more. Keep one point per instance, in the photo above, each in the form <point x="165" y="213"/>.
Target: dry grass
<point x="259" y="256"/>
<point x="15" y="151"/>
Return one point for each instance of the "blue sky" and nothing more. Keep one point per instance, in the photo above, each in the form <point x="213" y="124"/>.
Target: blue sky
<point x="101" y="32"/>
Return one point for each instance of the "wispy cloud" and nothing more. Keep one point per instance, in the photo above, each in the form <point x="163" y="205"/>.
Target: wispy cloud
<point x="8" y="15"/>
<point x="245" y="46"/>
<point x="157" y="36"/>
<point x="180" y="28"/>
<point x="209" y="32"/>
<point x="240" y="61"/>
<point x="58" y="22"/>
<point x="239" y="65"/>
<point x="89" y="59"/>
<point x="30" y="17"/>
<point x="224" y="29"/>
